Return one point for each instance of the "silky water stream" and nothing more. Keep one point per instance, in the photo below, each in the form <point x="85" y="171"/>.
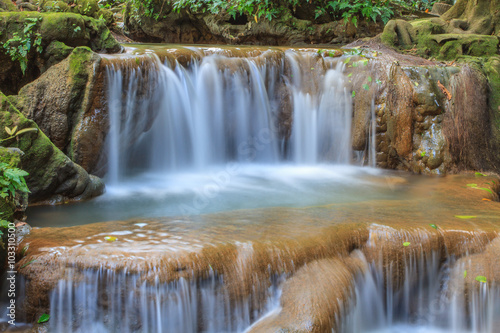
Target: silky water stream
<point x="235" y="203"/>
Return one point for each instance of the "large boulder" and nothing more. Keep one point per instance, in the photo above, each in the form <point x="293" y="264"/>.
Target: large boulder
<point x="57" y="34"/>
<point x="66" y="109"/>
<point x="431" y="118"/>
<point x="53" y="177"/>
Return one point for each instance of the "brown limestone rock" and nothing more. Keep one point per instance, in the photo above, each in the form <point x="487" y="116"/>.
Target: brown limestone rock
<point x="68" y="109"/>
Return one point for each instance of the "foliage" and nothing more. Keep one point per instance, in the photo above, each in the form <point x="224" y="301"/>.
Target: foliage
<point x="19" y="46"/>
<point x="12" y="180"/>
<point x="43" y="318"/>
<point x="109" y="3"/>
<point x="13" y="132"/>
<point x="271" y="9"/>
<point x="423" y="5"/>
<point x="4" y="224"/>
<point x="351" y="10"/>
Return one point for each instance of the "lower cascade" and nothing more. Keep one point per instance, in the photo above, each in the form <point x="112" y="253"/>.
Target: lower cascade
<point x="237" y="202"/>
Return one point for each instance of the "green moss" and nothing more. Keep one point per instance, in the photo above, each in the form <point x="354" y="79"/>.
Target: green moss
<point x="80" y="60"/>
<point x="56" y="52"/>
<point x="450" y="50"/>
<point x="41" y="158"/>
<point x="106" y="15"/>
<point x="68" y="28"/>
<point x="398" y="34"/>
<point x="429" y="26"/>
<point x="427" y="46"/>
<point x="452" y="46"/>
<point x="7" y="5"/>
<point x="55" y="6"/>
<point x="86" y="7"/>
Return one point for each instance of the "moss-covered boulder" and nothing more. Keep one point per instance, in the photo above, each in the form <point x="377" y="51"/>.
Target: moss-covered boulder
<point x="57" y="32"/>
<point x="65" y="108"/>
<point x="53" y="177"/>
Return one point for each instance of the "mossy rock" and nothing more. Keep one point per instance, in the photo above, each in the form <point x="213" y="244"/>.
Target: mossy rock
<point x="452" y="46"/>
<point x="53" y="177"/>
<point x="55" y="6"/>
<point x="431" y="26"/>
<point x="56" y="105"/>
<point x="106" y="15"/>
<point x="8" y="6"/>
<point x="56" y="52"/>
<point x="70" y="29"/>
<point x="86" y="7"/>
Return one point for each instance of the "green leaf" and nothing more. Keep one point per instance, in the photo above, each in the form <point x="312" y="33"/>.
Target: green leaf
<point x="378" y="81"/>
<point x="349" y="75"/>
<point x="366" y="87"/>
<point x="406" y="244"/>
<point x="471" y="185"/>
<point x="434" y="226"/>
<point x="465" y="274"/>
<point x="484" y="189"/>
<point x="353" y="93"/>
<point x="347" y="60"/>
<point x="479" y="174"/>
<point x="481" y="278"/>
<point x="422" y="154"/>
<point x="369" y="79"/>
<point x="465" y="217"/>
<point x="26" y="130"/>
<point x="43" y="318"/>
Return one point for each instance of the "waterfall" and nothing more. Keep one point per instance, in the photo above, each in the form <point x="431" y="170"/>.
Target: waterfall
<point x="105" y="300"/>
<point x="165" y="117"/>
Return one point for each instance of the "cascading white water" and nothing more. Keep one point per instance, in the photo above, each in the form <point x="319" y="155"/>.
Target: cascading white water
<point x="427" y="300"/>
<point x="105" y="301"/>
<point x="166" y="117"/>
